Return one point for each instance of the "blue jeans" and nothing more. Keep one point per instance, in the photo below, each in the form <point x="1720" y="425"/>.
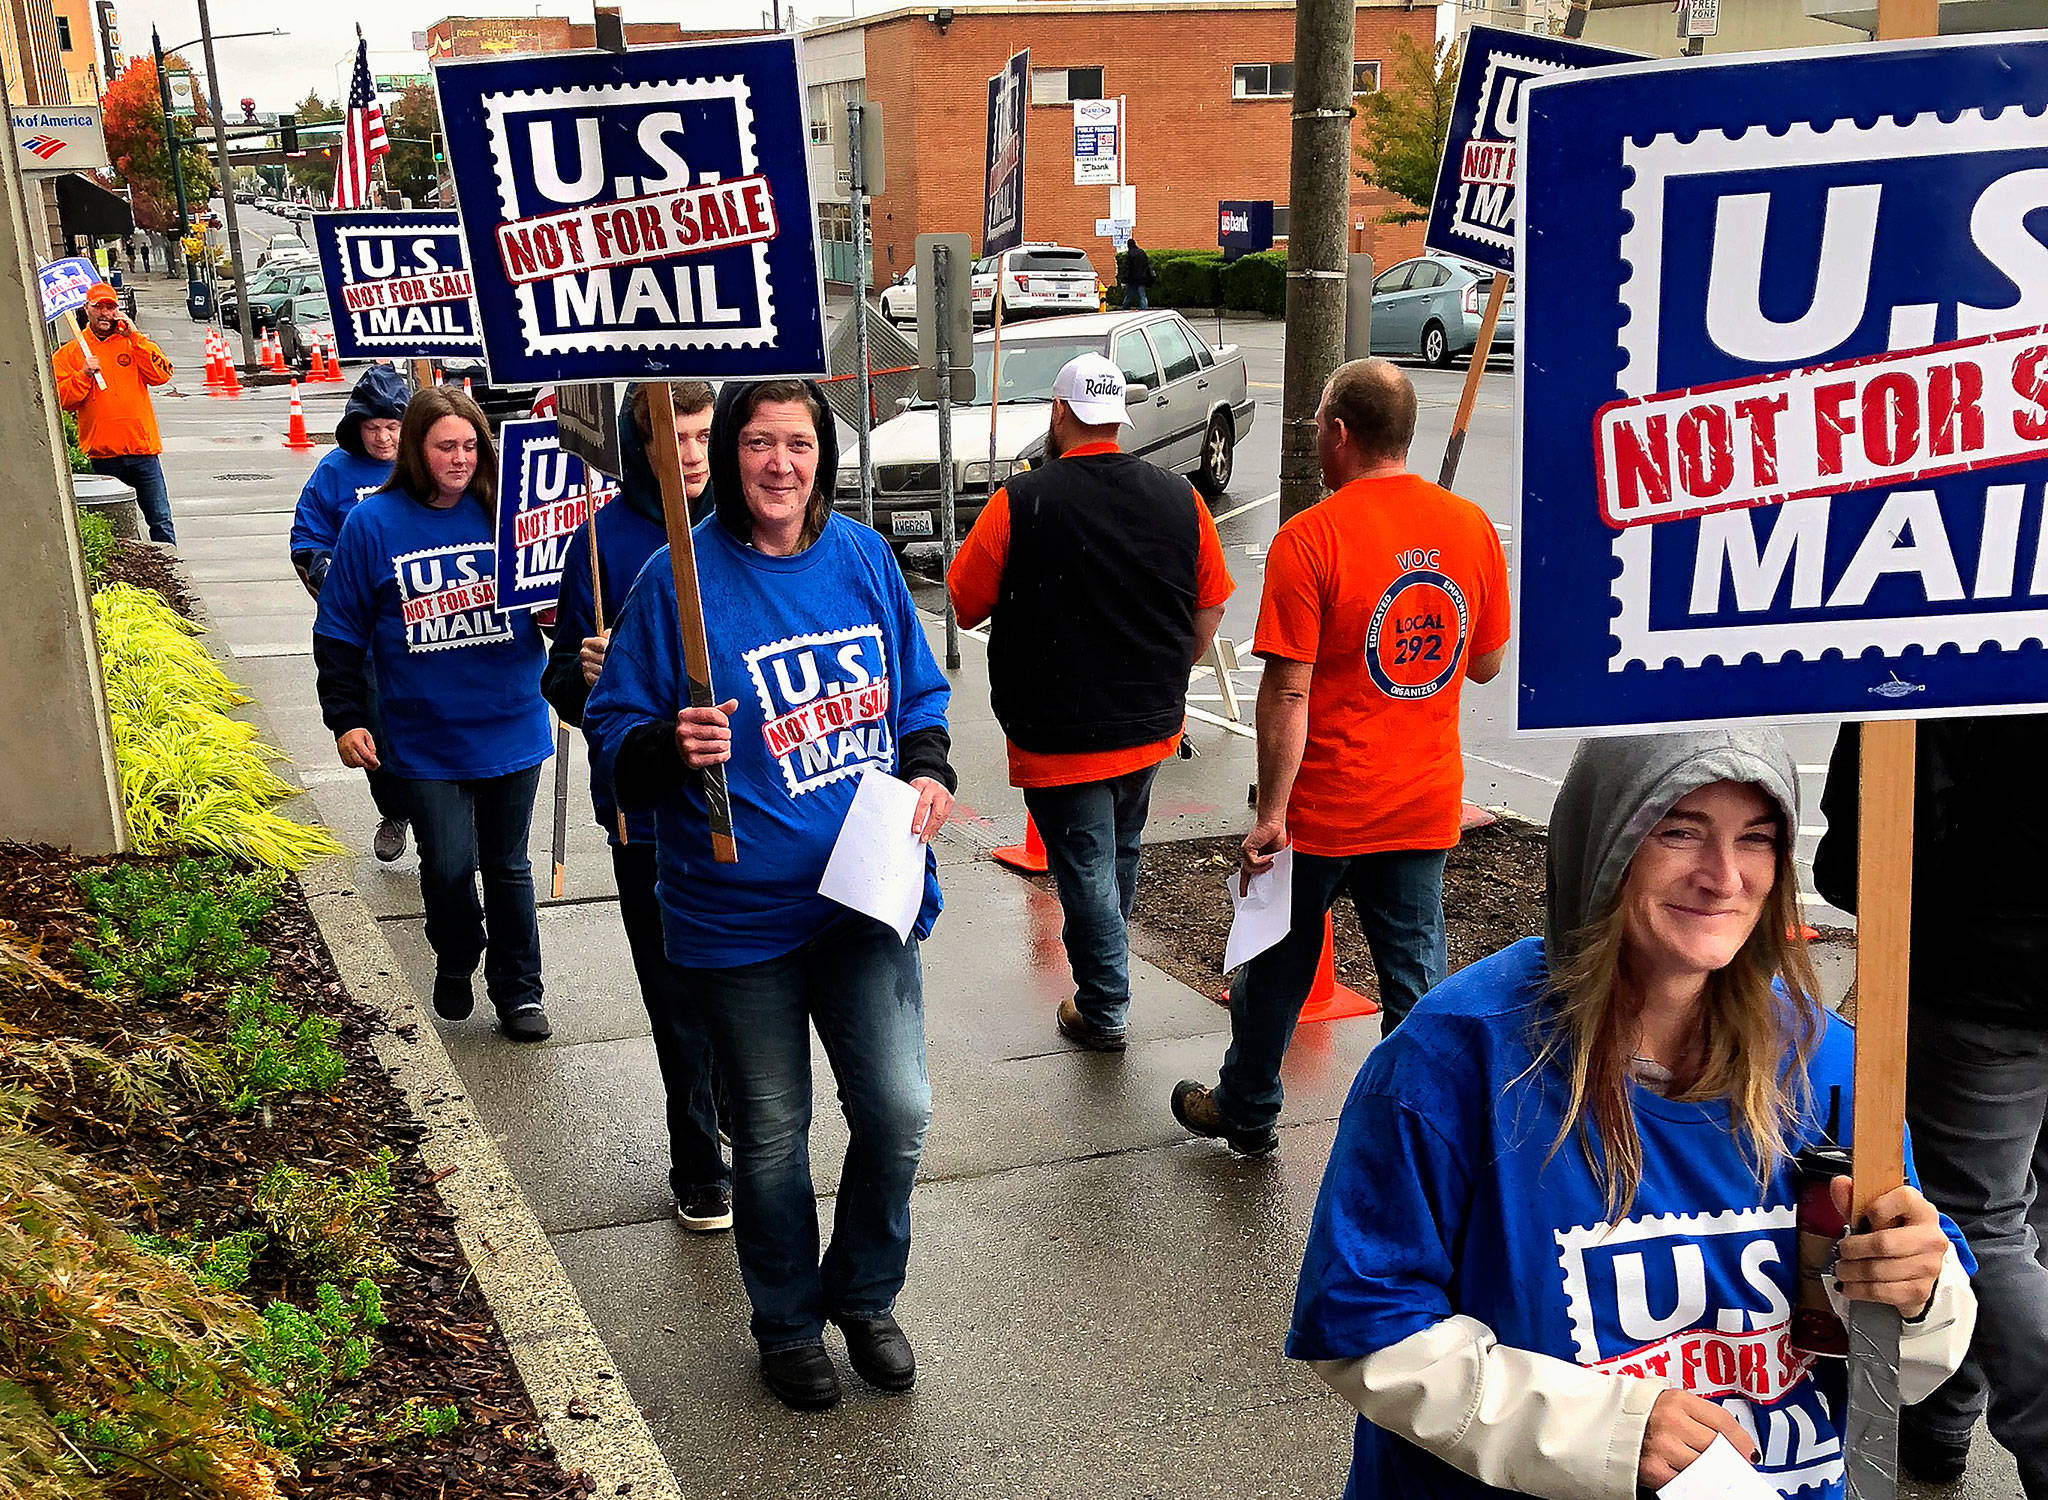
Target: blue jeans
<point x="1091" y="836"/>
<point x="864" y="992"/>
<point x="1400" y="901"/>
<point x="1977" y="1103"/>
<point x="469" y="827"/>
<point x="682" y="1047"/>
<point x="1143" y="296"/>
<point x="143" y="473"/>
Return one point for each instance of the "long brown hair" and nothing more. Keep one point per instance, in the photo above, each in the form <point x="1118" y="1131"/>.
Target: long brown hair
<point x="411" y="474"/>
<point x="1756" y="1042"/>
<point x="819" y="511"/>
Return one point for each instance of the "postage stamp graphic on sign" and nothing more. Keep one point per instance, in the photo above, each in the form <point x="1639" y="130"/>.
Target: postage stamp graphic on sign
<point x="635" y="215"/>
<point x="824" y="705"/>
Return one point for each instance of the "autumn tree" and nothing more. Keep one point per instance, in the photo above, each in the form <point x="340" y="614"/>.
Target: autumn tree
<point x="134" y="114"/>
<point x="314" y="168"/>
<point x="1406" y="122"/>
<point x="410" y="167"/>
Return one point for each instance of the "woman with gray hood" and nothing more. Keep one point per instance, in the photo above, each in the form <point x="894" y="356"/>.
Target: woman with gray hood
<point x="1555" y="1249"/>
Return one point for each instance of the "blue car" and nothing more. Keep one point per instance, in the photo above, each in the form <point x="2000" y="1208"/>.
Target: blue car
<point x="1430" y="308"/>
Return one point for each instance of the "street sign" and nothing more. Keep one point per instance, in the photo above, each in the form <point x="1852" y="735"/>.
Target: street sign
<point x="1784" y="455"/>
<point x="872" y="156"/>
<point x="639" y="213"/>
<point x="544" y="494"/>
<point x="64" y="284"/>
<point x="587" y="419"/>
<point x="1113" y="229"/>
<point x="1098" y="152"/>
<point x="1002" y="218"/>
<point x="184" y="95"/>
<point x="58" y="138"/>
<point x="1701" y="18"/>
<point x="957" y="314"/>
<point x="1473" y="213"/>
<point x="398" y="285"/>
<point x="1244" y="226"/>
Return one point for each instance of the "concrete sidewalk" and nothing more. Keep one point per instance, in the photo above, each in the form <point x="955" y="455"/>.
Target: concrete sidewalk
<point x="1097" y="1303"/>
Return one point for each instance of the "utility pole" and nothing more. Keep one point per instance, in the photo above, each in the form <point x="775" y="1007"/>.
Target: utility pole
<point x="863" y="270"/>
<point x="247" y="320"/>
<point x="171" y="140"/>
<point x="1319" y="196"/>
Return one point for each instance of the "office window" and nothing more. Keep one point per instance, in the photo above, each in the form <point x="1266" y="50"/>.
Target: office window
<point x="1262" y="80"/>
<point x="1365" y="78"/>
<point x="1279" y="221"/>
<point x="819" y="108"/>
<point x="1063" y="85"/>
<point x="64" y="35"/>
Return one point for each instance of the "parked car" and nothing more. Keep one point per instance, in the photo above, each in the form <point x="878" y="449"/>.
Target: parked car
<point x="1430" y="308"/>
<point x="283" y="247"/>
<point x="1033" y="278"/>
<point x="500" y="403"/>
<point x="303" y="319"/>
<point x="1189" y="405"/>
<point x="268" y="290"/>
<point x="899" y="299"/>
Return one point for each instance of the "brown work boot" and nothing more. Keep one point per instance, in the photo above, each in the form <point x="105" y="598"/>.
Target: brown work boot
<point x="1194" y="1105"/>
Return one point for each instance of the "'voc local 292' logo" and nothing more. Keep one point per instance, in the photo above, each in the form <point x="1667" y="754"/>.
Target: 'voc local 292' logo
<point x="1814" y="446"/>
<point x="638" y="213"/>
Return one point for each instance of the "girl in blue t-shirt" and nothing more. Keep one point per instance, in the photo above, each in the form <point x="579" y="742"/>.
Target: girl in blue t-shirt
<point x="1556" y="1249"/>
<point x="826" y="676"/>
<point x="413" y="590"/>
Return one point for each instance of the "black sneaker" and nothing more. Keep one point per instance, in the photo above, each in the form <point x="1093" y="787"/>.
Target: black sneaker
<point x="389" y="844"/>
<point x="1083" y="1032"/>
<point x="1931" y="1457"/>
<point x="453" y="997"/>
<point x="802" y="1378"/>
<point x="880" y="1352"/>
<point x="705" y="1210"/>
<point x="525" y="1023"/>
<point x="1194" y="1105"/>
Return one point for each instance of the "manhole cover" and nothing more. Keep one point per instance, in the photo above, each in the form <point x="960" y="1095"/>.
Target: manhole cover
<point x="243" y="478"/>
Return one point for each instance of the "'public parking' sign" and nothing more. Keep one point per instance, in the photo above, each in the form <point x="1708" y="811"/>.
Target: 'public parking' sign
<point x="641" y="213"/>
<point x="398" y="285"/>
<point x="1784" y="388"/>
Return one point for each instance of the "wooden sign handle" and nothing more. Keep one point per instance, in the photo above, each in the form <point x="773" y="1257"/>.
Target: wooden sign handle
<point x="682" y="558"/>
<point x="1884" y="925"/>
<point x="1476" y="367"/>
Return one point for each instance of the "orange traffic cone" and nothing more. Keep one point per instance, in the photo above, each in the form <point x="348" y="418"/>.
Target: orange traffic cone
<point x="333" y="360"/>
<point x="316" y="363"/>
<point x="230" y="378"/>
<point x="1327" y="999"/>
<point x="213" y="377"/>
<point x="466" y="390"/>
<point x="276" y="353"/>
<point x="295" y="436"/>
<point x="1028" y="857"/>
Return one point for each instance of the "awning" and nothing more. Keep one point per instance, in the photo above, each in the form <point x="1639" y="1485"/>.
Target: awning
<point x="88" y="211"/>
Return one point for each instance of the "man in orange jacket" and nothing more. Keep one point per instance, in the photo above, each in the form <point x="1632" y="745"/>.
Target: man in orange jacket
<point x="104" y="376"/>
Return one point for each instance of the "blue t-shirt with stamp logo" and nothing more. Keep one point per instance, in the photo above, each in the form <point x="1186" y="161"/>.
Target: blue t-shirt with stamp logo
<point x="458" y="682"/>
<point x="1443" y="1197"/>
<point x="829" y="663"/>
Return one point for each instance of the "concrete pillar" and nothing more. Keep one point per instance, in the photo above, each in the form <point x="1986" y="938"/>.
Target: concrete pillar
<point x="59" y="784"/>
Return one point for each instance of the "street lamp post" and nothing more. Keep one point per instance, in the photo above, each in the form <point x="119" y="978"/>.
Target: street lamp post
<point x="163" y="88"/>
<point x="247" y="320"/>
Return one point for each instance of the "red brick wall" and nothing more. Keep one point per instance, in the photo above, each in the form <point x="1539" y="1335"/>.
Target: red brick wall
<point x="1190" y="144"/>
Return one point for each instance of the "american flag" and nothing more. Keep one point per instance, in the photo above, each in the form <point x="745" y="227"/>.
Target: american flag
<point x="363" y="142"/>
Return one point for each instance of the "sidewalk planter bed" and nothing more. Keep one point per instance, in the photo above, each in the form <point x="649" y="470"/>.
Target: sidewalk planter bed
<point x="223" y="1269"/>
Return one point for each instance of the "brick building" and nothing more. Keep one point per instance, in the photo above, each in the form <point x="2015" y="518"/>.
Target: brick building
<point x="1207" y="90"/>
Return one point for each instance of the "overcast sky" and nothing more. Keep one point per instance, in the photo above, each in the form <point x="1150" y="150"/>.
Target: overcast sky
<point x="278" y="71"/>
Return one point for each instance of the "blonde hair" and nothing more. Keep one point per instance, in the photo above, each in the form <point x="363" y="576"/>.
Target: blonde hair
<point x="1756" y="1042"/>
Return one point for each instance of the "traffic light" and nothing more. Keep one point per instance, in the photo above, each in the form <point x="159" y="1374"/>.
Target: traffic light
<point x="440" y="148"/>
<point x="288" y="134"/>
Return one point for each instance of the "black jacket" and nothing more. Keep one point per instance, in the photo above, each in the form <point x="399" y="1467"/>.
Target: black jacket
<point x="1980" y="847"/>
<point x="1137" y="267"/>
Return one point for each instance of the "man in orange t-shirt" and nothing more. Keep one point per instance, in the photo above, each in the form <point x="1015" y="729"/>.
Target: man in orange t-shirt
<point x="1104" y="582"/>
<point x="1380" y="602"/>
<point x="104" y="376"/>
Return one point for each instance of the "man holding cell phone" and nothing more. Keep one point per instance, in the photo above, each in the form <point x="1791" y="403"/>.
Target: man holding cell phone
<point x="103" y="378"/>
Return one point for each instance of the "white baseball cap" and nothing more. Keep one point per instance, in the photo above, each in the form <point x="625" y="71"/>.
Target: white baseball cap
<point x="1093" y="389"/>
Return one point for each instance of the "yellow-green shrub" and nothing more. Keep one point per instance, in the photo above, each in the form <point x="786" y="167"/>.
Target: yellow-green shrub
<point x="191" y="777"/>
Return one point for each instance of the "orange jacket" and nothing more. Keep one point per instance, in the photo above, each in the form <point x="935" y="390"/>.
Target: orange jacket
<point x="118" y="420"/>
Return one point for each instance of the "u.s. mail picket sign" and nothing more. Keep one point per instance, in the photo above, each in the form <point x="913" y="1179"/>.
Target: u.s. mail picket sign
<point x="398" y="284"/>
<point x="1784" y="388"/>
<point x="644" y="213"/>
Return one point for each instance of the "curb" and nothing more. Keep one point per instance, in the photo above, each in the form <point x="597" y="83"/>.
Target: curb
<point x="569" y="1375"/>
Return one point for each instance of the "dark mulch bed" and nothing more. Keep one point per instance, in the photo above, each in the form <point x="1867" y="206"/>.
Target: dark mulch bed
<point x="1493" y="895"/>
<point x="197" y="1170"/>
<point x="149" y="567"/>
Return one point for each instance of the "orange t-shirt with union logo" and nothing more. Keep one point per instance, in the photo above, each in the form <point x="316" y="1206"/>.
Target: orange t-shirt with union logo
<point x="1388" y="588"/>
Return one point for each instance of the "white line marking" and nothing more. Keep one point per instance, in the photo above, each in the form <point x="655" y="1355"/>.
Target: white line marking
<point x="1248" y="505"/>
<point x="1501" y="765"/>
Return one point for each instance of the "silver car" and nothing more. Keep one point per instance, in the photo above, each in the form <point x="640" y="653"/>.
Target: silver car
<point x="1430" y="308"/>
<point x="1188" y="405"/>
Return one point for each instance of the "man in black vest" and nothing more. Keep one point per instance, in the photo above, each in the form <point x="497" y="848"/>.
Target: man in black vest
<point x="1104" y="581"/>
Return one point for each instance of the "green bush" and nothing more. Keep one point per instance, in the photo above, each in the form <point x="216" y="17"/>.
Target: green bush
<point x="97" y="541"/>
<point x="80" y="464"/>
<point x="1256" y="283"/>
<point x="306" y="1355"/>
<point x="330" y="1224"/>
<point x="273" y="1049"/>
<point x="166" y="929"/>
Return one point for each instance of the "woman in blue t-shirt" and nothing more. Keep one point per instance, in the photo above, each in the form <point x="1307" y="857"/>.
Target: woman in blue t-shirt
<point x="412" y="590"/>
<point x="826" y="676"/>
<point x="1555" y="1250"/>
